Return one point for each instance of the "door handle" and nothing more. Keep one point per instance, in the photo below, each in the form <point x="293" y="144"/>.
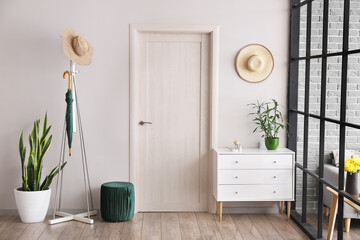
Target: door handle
<point x="142" y="123"/>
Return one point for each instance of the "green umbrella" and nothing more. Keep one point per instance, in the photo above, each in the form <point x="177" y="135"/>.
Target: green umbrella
<point x="69" y="116"/>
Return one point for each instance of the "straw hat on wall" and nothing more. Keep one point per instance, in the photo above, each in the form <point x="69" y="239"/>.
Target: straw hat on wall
<point x="254" y="63"/>
<point x="76" y="47"/>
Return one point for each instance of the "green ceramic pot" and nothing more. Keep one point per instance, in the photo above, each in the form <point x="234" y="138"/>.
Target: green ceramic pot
<point x="271" y="143"/>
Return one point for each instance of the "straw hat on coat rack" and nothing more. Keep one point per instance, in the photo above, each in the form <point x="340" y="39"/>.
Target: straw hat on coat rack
<point x="76" y="48"/>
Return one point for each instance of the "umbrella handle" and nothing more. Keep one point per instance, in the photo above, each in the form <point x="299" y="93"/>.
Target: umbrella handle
<point x="67" y="72"/>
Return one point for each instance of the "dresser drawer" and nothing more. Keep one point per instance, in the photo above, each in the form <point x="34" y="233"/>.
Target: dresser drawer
<point x="254" y="192"/>
<point x="266" y="177"/>
<point x="255" y="162"/>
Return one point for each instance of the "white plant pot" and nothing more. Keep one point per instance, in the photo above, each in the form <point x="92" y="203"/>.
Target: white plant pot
<point x="32" y="205"/>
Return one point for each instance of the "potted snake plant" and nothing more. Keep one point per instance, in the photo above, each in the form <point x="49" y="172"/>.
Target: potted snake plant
<point x="269" y="120"/>
<point x="33" y="197"/>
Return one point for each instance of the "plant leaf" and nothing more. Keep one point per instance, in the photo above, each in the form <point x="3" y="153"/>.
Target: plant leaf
<point x="48" y="179"/>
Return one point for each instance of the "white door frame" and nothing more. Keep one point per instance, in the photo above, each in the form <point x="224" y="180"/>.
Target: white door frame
<point x="135" y="30"/>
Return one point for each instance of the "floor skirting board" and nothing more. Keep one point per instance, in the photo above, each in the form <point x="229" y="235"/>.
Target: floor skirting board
<point x="229" y="210"/>
<point x="8" y="212"/>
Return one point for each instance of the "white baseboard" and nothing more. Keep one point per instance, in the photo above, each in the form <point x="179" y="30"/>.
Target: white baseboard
<point x="226" y="210"/>
<point x="12" y="212"/>
<point x="8" y="212"/>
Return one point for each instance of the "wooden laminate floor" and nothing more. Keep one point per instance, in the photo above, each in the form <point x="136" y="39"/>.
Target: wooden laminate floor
<point x="354" y="233"/>
<point x="172" y="226"/>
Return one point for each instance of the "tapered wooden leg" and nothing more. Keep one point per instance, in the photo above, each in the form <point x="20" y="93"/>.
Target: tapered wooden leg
<point x="288" y="209"/>
<point x="333" y="213"/>
<point x="220" y="211"/>
<point x="282" y="206"/>
<point x="326" y="211"/>
<point x="217" y="208"/>
<point x="347" y="224"/>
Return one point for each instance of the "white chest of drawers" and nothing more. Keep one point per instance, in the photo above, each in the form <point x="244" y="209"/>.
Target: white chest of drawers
<point x="253" y="175"/>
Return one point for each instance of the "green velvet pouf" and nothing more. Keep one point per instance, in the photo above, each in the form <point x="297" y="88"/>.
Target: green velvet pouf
<point x="117" y="201"/>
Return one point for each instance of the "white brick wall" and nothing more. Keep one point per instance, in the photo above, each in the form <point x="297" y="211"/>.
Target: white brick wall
<point x="333" y="88"/>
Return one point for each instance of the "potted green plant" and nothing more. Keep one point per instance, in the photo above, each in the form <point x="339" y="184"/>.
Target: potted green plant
<point x="33" y="197"/>
<point x="269" y="121"/>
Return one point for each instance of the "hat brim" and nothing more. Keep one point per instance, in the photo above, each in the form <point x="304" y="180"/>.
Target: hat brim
<point x="68" y="50"/>
<point x="241" y="63"/>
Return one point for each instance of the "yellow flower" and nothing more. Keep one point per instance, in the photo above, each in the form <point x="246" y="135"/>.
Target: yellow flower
<point x="356" y="160"/>
<point x="352" y="165"/>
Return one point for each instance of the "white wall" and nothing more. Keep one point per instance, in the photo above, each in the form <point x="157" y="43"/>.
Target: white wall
<point x="32" y="63"/>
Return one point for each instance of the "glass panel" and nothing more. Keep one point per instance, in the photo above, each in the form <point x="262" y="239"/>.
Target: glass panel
<point x="312" y="202"/>
<point x="336" y="12"/>
<point x="354" y="18"/>
<point x="330" y="171"/>
<point x="299" y="190"/>
<point x="300" y="139"/>
<point x="313" y="165"/>
<point x="353" y="89"/>
<point x="313" y="147"/>
<point x="333" y="87"/>
<point x="299" y="159"/>
<point x="317" y="27"/>
<point x="302" y="37"/>
<point x="301" y="85"/>
<point x="315" y="86"/>
<point x="332" y="136"/>
<point x="352" y="141"/>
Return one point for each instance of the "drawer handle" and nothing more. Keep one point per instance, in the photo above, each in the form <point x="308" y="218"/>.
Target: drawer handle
<point x="274" y="176"/>
<point x="236" y="161"/>
<point x="274" y="162"/>
<point x="236" y="193"/>
<point x="274" y="191"/>
<point x="236" y="177"/>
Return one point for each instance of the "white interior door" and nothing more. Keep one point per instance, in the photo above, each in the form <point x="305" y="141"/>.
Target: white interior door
<point x="174" y="97"/>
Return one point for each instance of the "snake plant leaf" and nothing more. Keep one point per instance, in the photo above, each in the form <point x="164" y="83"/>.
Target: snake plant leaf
<point x="49" y="178"/>
<point x="45" y="130"/>
<point x="34" y="172"/>
<point x="38" y="151"/>
<point x="46" y="147"/>
<point x="23" y="166"/>
<point x="38" y="181"/>
<point x="44" y="127"/>
<point x="21" y="147"/>
<point x="30" y="143"/>
<point x="53" y="170"/>
<point x="36" y="140"/>
<point x="33" y="160"/>
<point x="22" y="151"/>
<point x="30" y="173"/>
<point x="23" y="182"/>
<point x="44" y="135"/>
<point x="43" y="151"/>
<point x="23" y="154"/>
<point x="25" y="185"/>
<point x="39" y="145"/>
<point x="44" y="184"/>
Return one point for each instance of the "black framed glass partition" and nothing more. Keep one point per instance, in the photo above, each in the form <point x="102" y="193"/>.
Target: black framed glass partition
<point x="323" y="104"/>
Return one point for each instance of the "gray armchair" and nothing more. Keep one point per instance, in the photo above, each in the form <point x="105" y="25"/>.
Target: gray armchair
<point x="331" y="174"/>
